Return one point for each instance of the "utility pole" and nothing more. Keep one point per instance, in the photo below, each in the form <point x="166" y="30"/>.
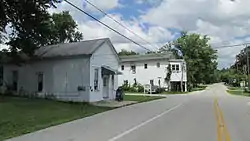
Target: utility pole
<point x="182" y="76"/>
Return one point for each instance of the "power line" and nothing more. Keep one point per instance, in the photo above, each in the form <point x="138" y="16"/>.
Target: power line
<point x="218" y="47"/>
<point x="106" y="25"/>
<point x="228" y="46"/>
<point x="106" y="14"/>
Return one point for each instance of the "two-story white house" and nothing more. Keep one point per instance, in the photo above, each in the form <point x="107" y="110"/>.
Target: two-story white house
<point x="152" y="69"/>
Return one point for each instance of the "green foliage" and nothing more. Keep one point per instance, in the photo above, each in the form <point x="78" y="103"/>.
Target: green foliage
<point x="28" y="22"/>
<point x="31" y="26"/>
<point x="133" y="89"/>
<point x="232" y="77"/>
<point x="169" y="72"/>
<point x="124" y="52"/>
<point x="241" y="61"/>
<point x="64" y="28"/>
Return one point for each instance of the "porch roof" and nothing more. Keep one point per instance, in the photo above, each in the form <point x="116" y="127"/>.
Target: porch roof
<point x="106" y="70"/>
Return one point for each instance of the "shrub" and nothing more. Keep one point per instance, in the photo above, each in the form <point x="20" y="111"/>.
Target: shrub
<point x="160" y="90"/>
<point x="133" y="88"/>
<point x="140" y="88"/>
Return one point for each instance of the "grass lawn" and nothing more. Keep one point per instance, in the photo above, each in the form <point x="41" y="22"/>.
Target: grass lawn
<point x="141" y="98"/>
<point x="199" y="88"/>
<point x="20" y="115"/>
<point x="235" y="88"/>
<point x="238" y="92"/>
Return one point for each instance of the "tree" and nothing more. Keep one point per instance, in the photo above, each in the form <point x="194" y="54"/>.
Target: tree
<point x="231" y="77"/>
<point x="64" y="28"/>
<point x="32" y="26"/>
<point x="198" y="54"/>
<point x="124" y="52"/>
<point x="29" y="22"/>
<point x="241" y="61"/>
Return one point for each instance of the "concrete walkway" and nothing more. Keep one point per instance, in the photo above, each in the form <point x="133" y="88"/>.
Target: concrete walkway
<point x="113" y="103"/>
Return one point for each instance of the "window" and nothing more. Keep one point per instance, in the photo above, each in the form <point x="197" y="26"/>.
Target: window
<point x="158" y="65"/>
<point x="125" y="82"/>
<point x="173" y="68"/>
<point x="96" y="79"/>
<point x="133" y="68"/>
<point x="113" y="80"/>
<point x="15" y="80"/>
<point x="122" y="67"/>
<point x="152" y="82"/>
<point x="40" y="82"/>
<point x="145" y="66"/>
<point x="177" y="67"/>
<point x="1" y="75"/>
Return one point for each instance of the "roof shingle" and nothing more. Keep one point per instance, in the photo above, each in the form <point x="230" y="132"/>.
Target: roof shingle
<point x="70" y="49"/>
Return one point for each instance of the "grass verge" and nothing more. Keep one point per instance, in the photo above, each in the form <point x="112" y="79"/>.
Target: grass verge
<point x="235" y="88"/>
<point x="21" y="115"/>
<point x="199" y="88"/>
<point x="238" y="92"/>
<point x="141" y="98"/>
<point x="175" y="92"/>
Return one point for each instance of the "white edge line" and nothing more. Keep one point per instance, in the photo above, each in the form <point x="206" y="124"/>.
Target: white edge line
<point x="144" y="123"/>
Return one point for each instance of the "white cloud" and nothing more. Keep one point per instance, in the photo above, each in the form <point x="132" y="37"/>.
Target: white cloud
<point x="152" y="2"/>
<point x="222" y="20"/>
<point x="154" y="35"/>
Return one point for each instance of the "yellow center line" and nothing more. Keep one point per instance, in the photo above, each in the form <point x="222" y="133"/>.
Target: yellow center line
<point x="219" y="136"/>
<point x="221" y="125"/>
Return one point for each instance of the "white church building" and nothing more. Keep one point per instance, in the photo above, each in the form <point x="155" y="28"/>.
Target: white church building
<point x="152" y="69"/>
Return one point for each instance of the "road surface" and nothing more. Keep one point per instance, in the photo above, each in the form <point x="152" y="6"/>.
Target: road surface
<point x="212" y="115"/>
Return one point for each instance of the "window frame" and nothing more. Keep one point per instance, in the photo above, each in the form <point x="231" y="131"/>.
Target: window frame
<point x="15" y="76"/>
<point x="151" y="82"/>
<point x="133" y="68"/>
<point x="40" y="82"/>
<point x="1" y="75"/>
<point x="96" y="79"/>
<point x="177" y="66"/>
<point x="173" y="67"/>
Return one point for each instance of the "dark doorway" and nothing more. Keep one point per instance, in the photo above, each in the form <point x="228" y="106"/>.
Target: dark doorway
<point x="40" y="82"/>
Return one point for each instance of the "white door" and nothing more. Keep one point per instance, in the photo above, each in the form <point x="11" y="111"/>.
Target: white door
<point x="106" y="86"/>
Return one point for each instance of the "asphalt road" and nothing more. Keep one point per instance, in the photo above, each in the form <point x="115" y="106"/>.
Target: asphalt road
<point x="212" y="115"/>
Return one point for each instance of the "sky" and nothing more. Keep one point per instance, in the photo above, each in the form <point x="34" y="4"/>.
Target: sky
<point x="160" y="21"/>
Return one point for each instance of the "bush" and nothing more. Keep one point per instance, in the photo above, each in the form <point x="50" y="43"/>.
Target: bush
<point x="140" y="88"/>
<point x="133" y="88"/>
<point x="160" y="90"/>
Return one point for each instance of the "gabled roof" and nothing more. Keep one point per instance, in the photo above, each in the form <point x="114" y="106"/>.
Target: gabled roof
<point x="154" y="56"/>
<point x="87" y="47"/>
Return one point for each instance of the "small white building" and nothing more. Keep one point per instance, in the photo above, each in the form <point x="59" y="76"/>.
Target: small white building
<point x="152" y="69"/>
<point x="80" y="71"/>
